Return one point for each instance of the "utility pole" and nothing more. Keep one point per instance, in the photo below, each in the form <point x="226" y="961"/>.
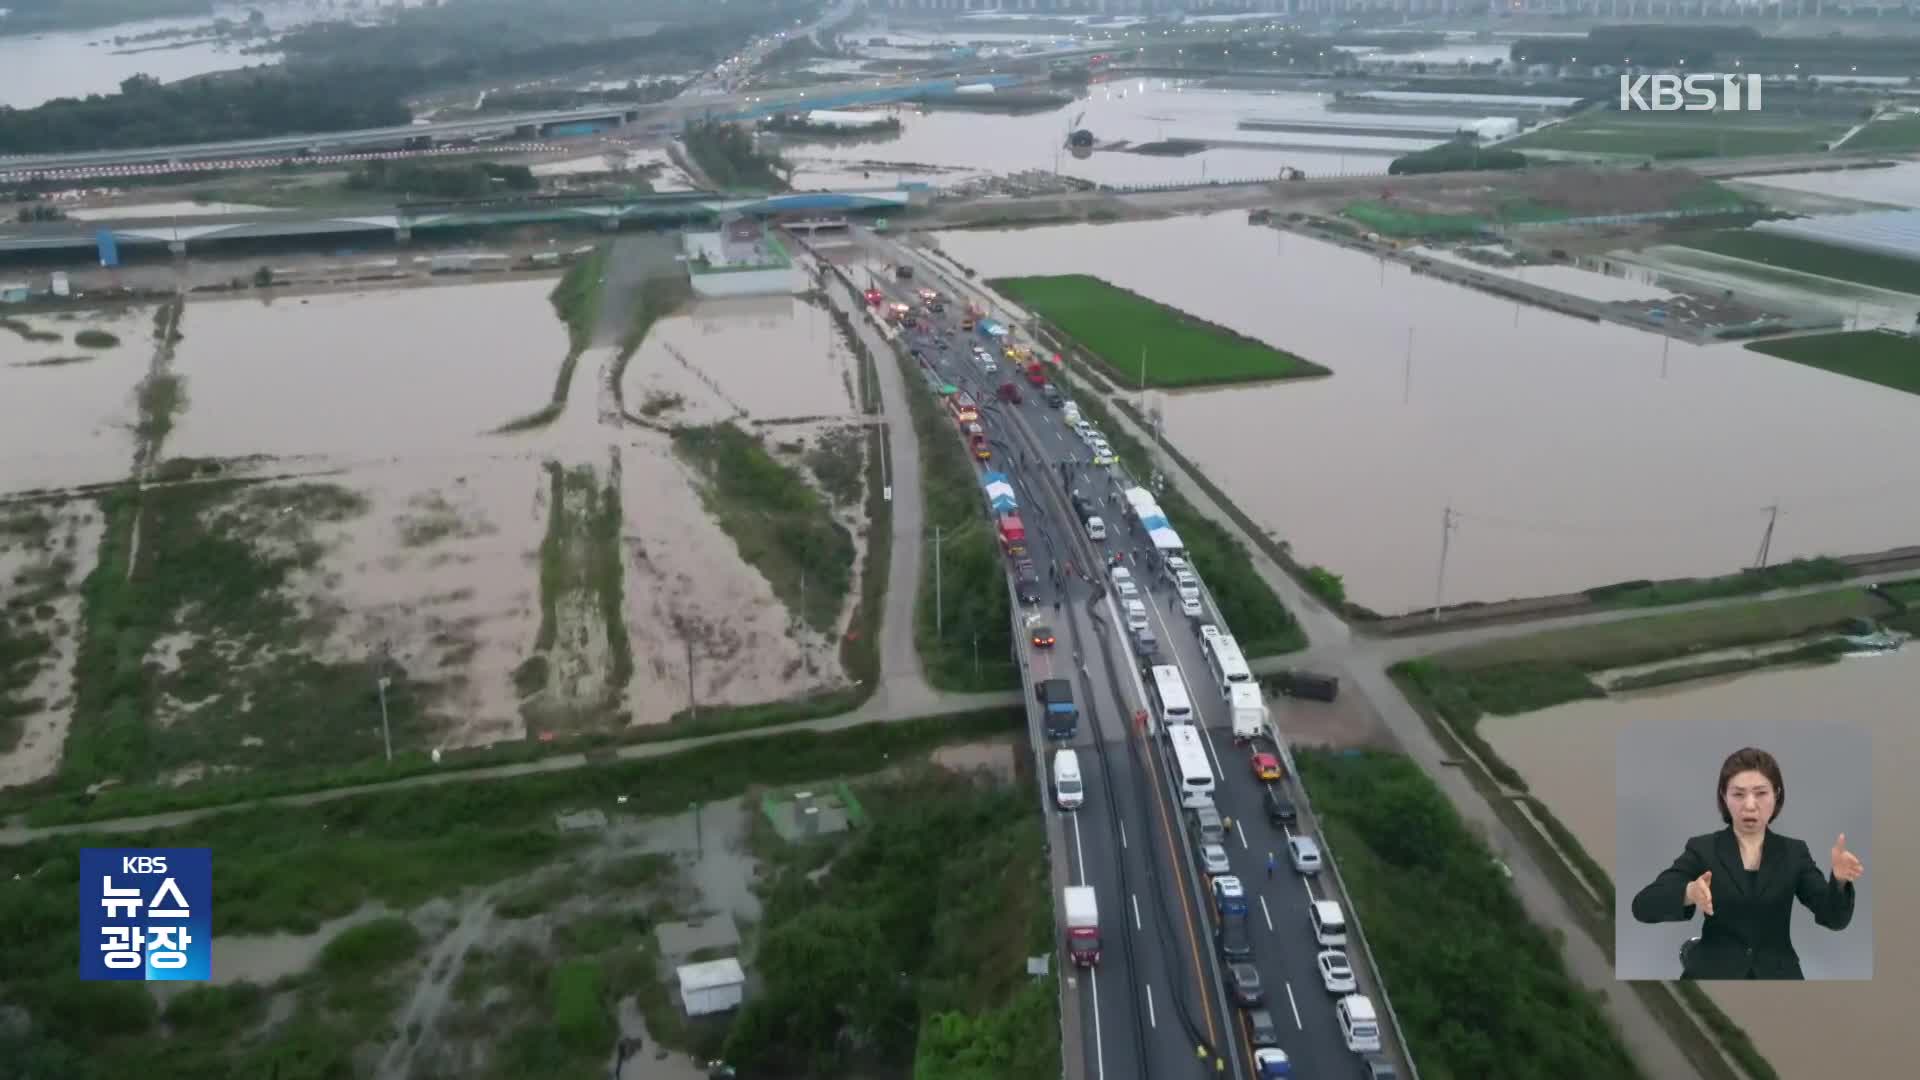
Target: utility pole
<point x="1447" y="525"/>
<point x="939" y="612"/>
<point x="693" y="706"/>
<point x="1766" y="538"/>
<point x="381" y="683"/>
<point x="1666" y="343"/>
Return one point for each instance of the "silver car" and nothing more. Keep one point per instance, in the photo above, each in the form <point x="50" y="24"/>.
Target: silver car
<point x="1213" y="859"/>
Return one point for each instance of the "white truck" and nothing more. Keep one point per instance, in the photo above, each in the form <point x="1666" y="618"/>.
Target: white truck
<point x="1249" y="711"/>
<point x="1083" y="924"/>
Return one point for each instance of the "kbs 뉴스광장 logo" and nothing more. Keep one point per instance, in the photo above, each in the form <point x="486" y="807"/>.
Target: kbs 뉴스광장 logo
<point x="146" y="914"/>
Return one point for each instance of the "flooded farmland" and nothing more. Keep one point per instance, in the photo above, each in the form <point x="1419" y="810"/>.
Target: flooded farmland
<point x="1895" y="186"/>
<point x="946" y="146"/>
<point x="364" y="374"/>
<point x="1572" y="453"/>
<point x="1555" y="749"/>
<point x="405" y="538"/>
<point x="67" y="410"/>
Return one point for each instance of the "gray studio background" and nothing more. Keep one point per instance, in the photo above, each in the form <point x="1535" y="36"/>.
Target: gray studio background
<point x="1665" y="782"/>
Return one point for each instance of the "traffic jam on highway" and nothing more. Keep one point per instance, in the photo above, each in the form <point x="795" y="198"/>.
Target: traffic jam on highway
<point x="1278" y="927"/>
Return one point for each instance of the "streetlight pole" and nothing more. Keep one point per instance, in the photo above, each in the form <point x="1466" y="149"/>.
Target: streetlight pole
<point x="386" y="732"/>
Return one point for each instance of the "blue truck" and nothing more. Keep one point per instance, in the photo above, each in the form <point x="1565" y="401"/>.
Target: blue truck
<point x="1056" y="697"/>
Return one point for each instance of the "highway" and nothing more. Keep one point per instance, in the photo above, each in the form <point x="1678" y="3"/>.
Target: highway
<point x="1155" y="1008"/>
<point x="1284" y="945"/>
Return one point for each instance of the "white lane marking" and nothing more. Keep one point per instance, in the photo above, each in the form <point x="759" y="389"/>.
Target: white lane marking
<point x="1307" y="884"/>
<point x="1079" y="856"/>
<point x="1241" y="833"/>
<point x="1123" y="834"/>
<point x="1295" y="1006"/>
<point x="1099" y="1049"/>
<point x="1152" y="1020"/>
<point x="1266" y="914"/>
<point x="1134" y="898"/>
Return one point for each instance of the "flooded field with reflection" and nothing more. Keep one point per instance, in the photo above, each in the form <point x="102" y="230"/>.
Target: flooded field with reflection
<point x="1572" y="453"/>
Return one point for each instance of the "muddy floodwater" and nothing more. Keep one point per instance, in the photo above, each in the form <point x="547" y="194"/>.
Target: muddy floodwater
<point x="1572" y="454"/>
<point x="944" y="145"/>
<point x="764" y="357"/>
<point x="67" y="411"/>
<point x="1794" y="1025"/>
<point x="364" y="374"/>
<point x="1895" y="186"/>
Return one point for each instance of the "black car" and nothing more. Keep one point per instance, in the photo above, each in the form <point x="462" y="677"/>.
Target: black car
<point x="1243" y="981"/>
<point x="1054" y="397"/>
<point x="1280" y="809"/>
<point x="1261" y="1030"/>
<point x="1232" y="937"/>
<point x="1026" y="582"/>
<point x="1082" y="506"/>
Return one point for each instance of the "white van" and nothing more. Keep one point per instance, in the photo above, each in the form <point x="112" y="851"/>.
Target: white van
<point x="1068" y="790"/>
<point x="1329" y="925"/>
<point x="1359" y="1026"/>
<point x="1096" y="528"/>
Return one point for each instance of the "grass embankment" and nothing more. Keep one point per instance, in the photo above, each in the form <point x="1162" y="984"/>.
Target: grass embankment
<point x="1258" y="620"/>
<point x="27" y="331"/>
<point x="1887" y="133"/>
<point x="1877" y="356"/>
<point x="949" y="888"/>
<point x="654" y="299"/>
<point x="782" y="526"/>
<point x="1417" y="876"/>
<point x="1810" y="257"/>
<point x="212" y="575"/>
<point x="1678" y="135"/>
<point x="1121" y="327"/>
<point x="566" y="681"/>
<point x="576" y="299"/>
<point x="1538" y="671"/>
<point x="1795" y="574"/>
<point x="288" y="868"/>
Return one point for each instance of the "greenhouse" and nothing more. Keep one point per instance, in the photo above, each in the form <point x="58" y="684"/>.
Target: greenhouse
<point x="1894" y="233"/>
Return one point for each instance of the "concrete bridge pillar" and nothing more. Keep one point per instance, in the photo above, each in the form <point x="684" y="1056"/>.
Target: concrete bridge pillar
<point x="611" y="224"/>
<point x="402" y="233"/>
<point x="176" y="247"/>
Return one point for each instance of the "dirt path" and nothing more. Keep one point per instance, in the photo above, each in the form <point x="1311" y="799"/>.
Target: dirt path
<point x="147" y="453"/>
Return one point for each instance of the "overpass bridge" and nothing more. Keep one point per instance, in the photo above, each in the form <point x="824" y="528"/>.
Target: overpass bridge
<point x="665" y="117"/>
<point x="176" y="235"/>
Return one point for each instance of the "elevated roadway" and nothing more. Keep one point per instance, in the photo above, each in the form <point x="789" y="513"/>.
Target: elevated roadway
<point x="1285" y="947"/>
<point x="1153" y="1007"/>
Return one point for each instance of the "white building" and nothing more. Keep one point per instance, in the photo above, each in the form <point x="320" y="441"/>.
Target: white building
<point x="742" y="259"/>
<point x="713" y="987"/>
<point x="851" y="121"/>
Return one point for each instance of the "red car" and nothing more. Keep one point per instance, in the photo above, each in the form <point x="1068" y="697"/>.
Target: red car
<point x="1266" y="766"/>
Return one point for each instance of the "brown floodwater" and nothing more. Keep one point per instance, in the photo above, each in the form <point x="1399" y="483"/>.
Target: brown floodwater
<point x="1797" y="1026"/>
<point x="67" y="424"/>
<point x="1572" y="453"/>
<point x="960" y="143"/>
<point x="364" y="374"/>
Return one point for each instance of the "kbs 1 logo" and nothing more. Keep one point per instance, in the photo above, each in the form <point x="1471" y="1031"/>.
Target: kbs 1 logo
<point x="146" y="914"/>
<point x="1691" y="93"/>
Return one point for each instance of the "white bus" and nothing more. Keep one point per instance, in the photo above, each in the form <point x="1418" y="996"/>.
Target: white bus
<point x="1191" y="765"/>
<point x="1170" y="695"/>
<point x="1229" y="667"/>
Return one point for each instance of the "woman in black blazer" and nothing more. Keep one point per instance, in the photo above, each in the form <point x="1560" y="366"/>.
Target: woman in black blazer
<point x="1745" y="878"/>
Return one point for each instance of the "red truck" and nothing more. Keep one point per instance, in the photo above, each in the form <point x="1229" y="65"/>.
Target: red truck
<point x="1037" y="373"/>
<point x="1010" y="393"/>
<point x="1013" y="535"/>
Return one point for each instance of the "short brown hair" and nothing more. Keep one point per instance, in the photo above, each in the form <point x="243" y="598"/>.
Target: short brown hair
<point x="1749" y="759"/>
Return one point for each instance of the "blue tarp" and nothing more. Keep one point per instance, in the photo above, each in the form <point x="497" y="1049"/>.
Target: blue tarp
<point x="1155" y="521"/>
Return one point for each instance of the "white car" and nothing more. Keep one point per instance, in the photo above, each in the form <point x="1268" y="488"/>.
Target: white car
<point x="1101" y="446"/>
<point x="1304" y="851"/>
<point x="1103" y="459"/>
<point x="1190" y="607"/>
<point x="1120" y="574"/>
<point x="1226" y="890"/>
<point x="1213" y="859"/>
<point x="1335" y="973"/>
<point x="1136" y="615"/>
<point x="1096" y="528"/>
